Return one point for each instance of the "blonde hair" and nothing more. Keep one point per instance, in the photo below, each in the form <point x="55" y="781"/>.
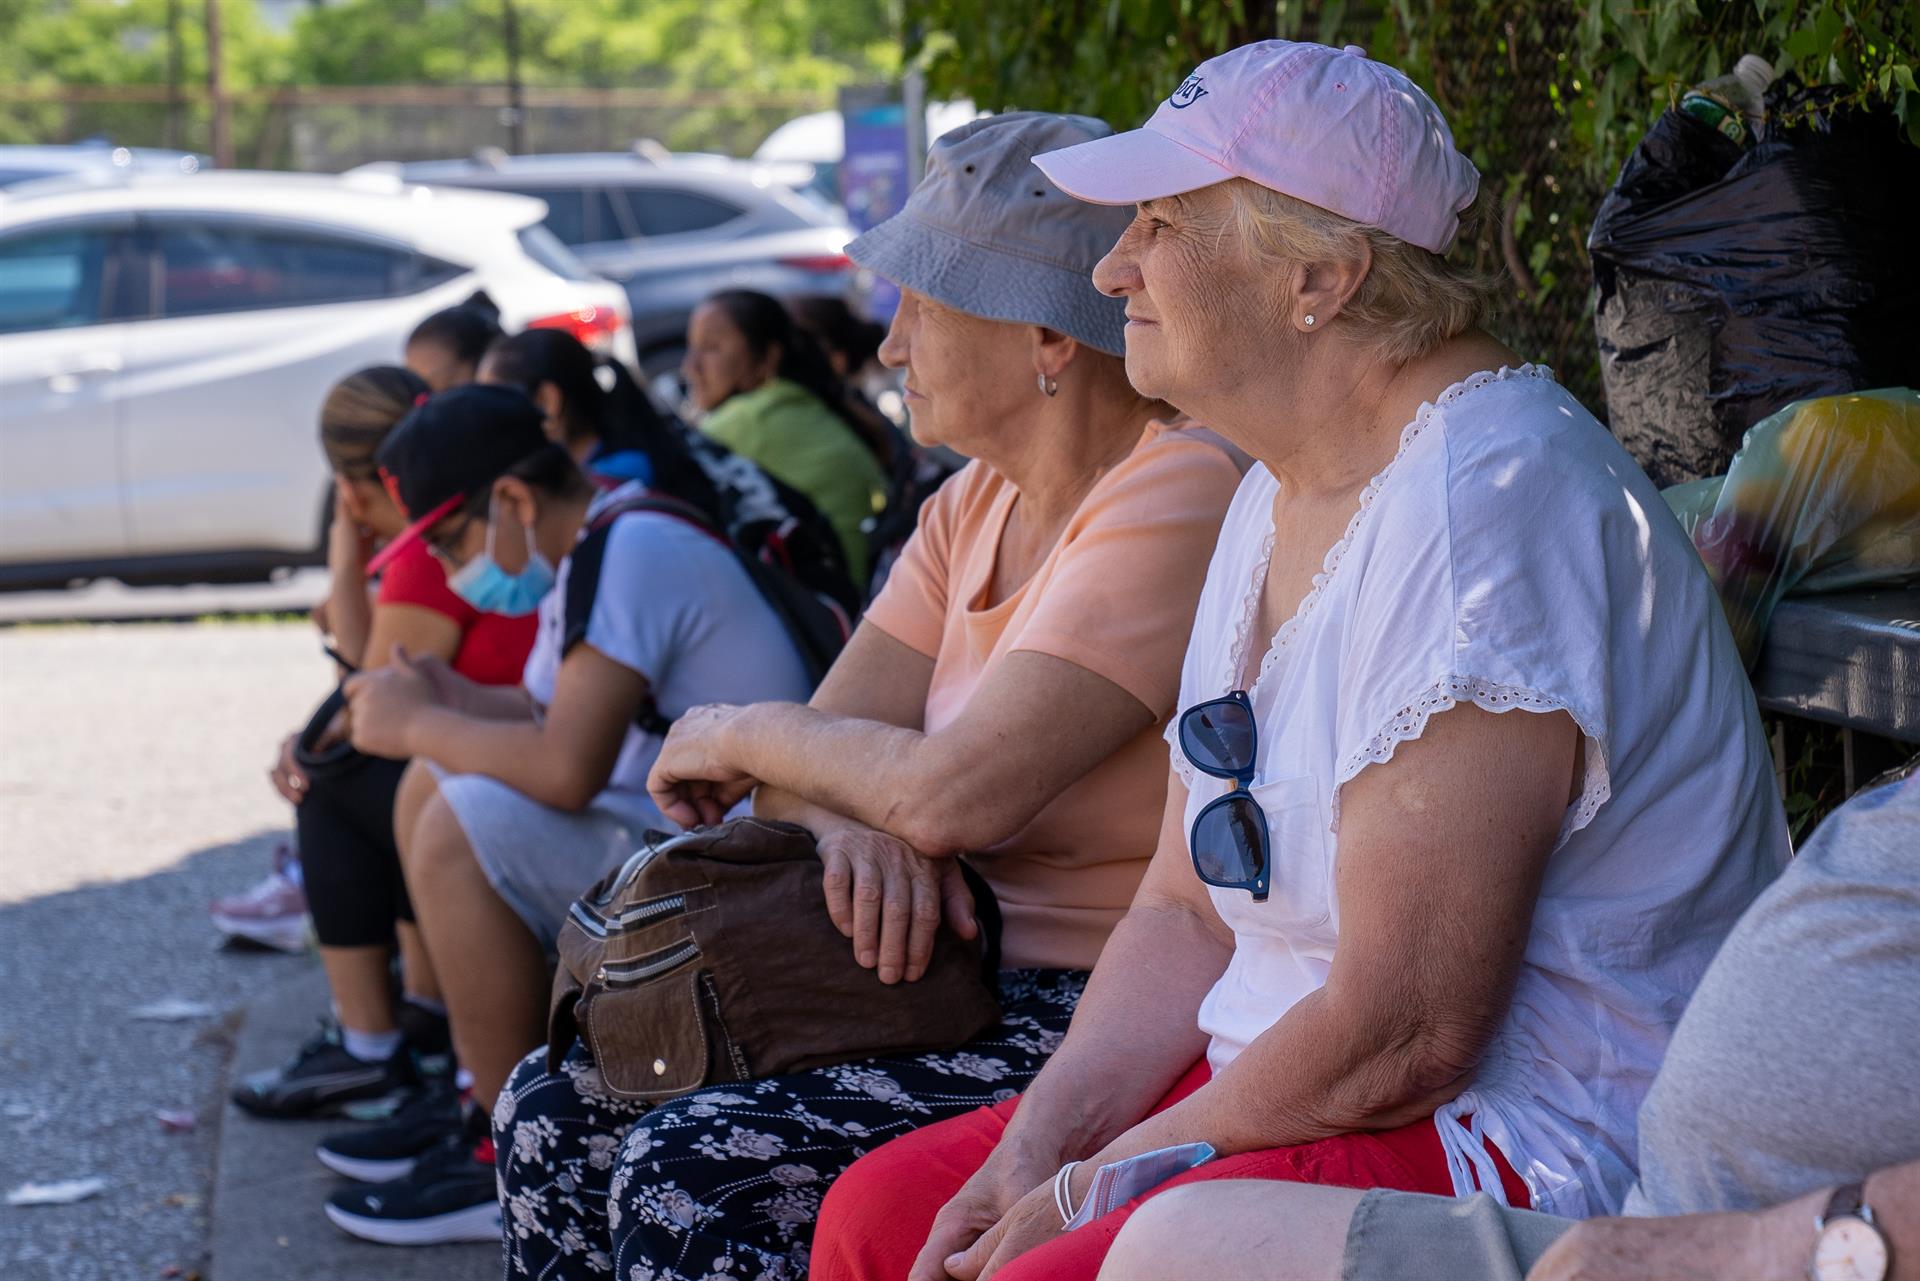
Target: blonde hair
<point x="1412" y="299"/>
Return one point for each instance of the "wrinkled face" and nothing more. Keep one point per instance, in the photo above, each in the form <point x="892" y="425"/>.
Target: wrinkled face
<point x="719" y="363"/>
<point x="1204" y="319"/>
<point x="437" y="366"/>
<point x="969" y="380"/>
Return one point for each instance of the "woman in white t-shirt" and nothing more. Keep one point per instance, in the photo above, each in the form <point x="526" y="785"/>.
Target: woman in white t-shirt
<point x="1394" y="935"/>
<point x="519" y="800"/>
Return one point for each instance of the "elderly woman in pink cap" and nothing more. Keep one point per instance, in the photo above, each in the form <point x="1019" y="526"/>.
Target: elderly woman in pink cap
<point x="1394" y="933"/>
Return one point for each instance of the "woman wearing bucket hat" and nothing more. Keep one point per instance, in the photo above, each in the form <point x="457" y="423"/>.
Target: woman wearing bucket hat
<point x="1390" y="936"/>
<point x="1003" y="697"/>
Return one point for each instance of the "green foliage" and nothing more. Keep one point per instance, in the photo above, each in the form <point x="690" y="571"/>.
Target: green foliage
<point x="1623" y="61"/>
<point x="751" y="45"/>
<point x="121" y="42"/>
<point x="56" y="43"/>
<point x="1546" y="96"/>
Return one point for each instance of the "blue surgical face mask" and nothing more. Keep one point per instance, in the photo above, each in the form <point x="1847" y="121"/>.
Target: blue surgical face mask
<point x="492" y="590"/>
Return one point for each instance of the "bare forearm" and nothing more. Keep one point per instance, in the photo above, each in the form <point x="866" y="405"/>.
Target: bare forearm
<point x="1894" y="1195"/>
<point x="894" y="780"/>
<point x="350" y="614"/>
<point x="516" y="752"/>
<point x="496" y="702"/>
<point x="1774" y="1244"/>
<point x="785" y="807"/>
<point x="1329" y="1066"/>
<point x="1785" y="1233"/>
<point x="1133" y="1035"/>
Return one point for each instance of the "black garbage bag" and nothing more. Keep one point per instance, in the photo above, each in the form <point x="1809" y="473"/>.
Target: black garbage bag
<point x="1730" y="282"/>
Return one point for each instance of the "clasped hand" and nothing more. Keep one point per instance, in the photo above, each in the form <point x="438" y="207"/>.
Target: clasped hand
<point x="384" y="704"/>
<point x="693" y="780"/>
<point x="890" y="899"/>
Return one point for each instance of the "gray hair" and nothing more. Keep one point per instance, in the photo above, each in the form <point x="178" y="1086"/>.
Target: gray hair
<point x="1412" y="299"/>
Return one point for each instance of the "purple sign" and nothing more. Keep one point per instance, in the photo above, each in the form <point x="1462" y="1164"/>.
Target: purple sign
<point x="873" y="173"/>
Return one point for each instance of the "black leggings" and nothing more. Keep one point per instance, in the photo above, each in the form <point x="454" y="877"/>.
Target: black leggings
<point x="347" y="855"/>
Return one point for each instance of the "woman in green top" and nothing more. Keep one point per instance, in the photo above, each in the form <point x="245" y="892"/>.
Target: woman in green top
<point x="768" y="394"/>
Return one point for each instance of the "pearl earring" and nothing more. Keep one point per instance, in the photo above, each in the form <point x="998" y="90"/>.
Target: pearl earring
<point x="1309" y="320"/>
<point x="1048" y="387"/>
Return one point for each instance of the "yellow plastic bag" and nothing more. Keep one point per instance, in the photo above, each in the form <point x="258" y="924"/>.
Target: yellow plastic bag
<point x="1823" y="495"/>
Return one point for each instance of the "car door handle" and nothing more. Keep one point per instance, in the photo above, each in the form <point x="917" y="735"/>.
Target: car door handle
<point x="64" y="376"/>
<point x="91" y="362"/>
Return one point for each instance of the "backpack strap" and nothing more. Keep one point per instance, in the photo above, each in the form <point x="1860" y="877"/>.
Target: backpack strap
<point x="583" y="581"/>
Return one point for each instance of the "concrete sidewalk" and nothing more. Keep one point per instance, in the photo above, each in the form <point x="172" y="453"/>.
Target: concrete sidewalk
<point x="268" y="1190"/>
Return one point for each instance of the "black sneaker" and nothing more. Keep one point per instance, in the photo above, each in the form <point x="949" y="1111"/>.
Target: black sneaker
<point x="450" y="1196"/>
<point x="389" y="1151"/>
<point x="428" y="1037"/>
<point x="322" y="1079"/>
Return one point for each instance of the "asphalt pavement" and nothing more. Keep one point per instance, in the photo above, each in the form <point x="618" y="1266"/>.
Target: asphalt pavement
<point x="132" y="791"/>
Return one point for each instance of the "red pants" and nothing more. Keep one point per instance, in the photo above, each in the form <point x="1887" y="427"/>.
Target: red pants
<point x="879" y="1213"/>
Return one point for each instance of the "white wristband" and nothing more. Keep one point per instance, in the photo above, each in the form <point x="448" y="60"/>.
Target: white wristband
<point x="1118" y="1182"/>
<point x="1063" y="1192"/>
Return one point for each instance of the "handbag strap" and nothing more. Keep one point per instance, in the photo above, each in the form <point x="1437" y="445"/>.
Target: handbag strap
<point x="986" y="910"/>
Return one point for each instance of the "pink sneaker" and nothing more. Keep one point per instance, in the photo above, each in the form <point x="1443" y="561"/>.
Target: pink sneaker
<point x="273" y="912"/>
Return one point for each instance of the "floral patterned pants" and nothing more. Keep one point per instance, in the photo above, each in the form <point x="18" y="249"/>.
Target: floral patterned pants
<point x="727" y="1182"/>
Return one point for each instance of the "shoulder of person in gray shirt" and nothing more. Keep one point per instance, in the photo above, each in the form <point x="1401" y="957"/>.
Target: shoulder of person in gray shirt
<point x="1794" y="1065"/>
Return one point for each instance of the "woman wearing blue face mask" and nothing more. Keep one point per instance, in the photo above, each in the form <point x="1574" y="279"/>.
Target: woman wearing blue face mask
<point x="518" y="800"/>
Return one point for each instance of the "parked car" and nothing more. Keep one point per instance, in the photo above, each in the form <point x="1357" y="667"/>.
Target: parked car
<point x="672" y="229"/>
<point x="26" y="164"/>
<point x="165" y="344"/>
<point x="808" y="149"/>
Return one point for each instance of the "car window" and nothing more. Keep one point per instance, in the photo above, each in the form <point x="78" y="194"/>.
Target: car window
<point x="610" y="220"/>
<point x="566" y="212"/>
<point x="429" y="272"/>
<point x="669" y="211"/>
<point x="545" y="248"/>
<point x="10" y="176"/>
<point x="51" y="279"/>
<point x="207" y="268"/>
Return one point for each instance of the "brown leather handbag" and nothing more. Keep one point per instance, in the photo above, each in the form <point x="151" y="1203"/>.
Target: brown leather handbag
<point x="709" y="957"/>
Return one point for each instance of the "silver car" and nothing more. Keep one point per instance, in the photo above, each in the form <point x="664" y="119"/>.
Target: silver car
<point x="671" y="229"/>
<point x="165" y="343"/>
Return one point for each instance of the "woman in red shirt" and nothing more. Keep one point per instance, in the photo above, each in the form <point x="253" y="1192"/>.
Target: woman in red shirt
<point x="344" y="811"/>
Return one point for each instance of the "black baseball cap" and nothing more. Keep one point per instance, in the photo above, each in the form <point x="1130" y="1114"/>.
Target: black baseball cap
<point x="448" y="448"/>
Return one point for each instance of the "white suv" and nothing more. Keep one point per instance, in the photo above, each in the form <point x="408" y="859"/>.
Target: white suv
<point x="165" y="343"/>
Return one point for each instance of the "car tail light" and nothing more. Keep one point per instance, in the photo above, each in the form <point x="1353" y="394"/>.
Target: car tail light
<point x="819" y="262"/>
<point x="593" y="326"/>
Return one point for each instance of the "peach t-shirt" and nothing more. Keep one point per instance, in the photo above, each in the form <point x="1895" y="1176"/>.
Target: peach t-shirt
<point x="1116" y="596"/>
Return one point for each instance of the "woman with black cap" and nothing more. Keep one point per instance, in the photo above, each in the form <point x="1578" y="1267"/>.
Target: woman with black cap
<point x="343" y="813"/>
<point x="520" y="799"/>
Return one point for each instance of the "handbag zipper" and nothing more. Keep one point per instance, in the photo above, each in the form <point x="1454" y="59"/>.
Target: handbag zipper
<point x="628" y="973"/>
<point x="600" y="925"/>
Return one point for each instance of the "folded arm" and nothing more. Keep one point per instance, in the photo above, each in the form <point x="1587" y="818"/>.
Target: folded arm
<point x="1035" y="725"/>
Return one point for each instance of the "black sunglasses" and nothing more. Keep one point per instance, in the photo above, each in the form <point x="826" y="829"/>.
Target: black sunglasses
<point x="1229" y="842"/>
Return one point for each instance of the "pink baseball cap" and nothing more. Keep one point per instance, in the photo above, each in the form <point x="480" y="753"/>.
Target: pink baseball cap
<point x="1328" y="126"/>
